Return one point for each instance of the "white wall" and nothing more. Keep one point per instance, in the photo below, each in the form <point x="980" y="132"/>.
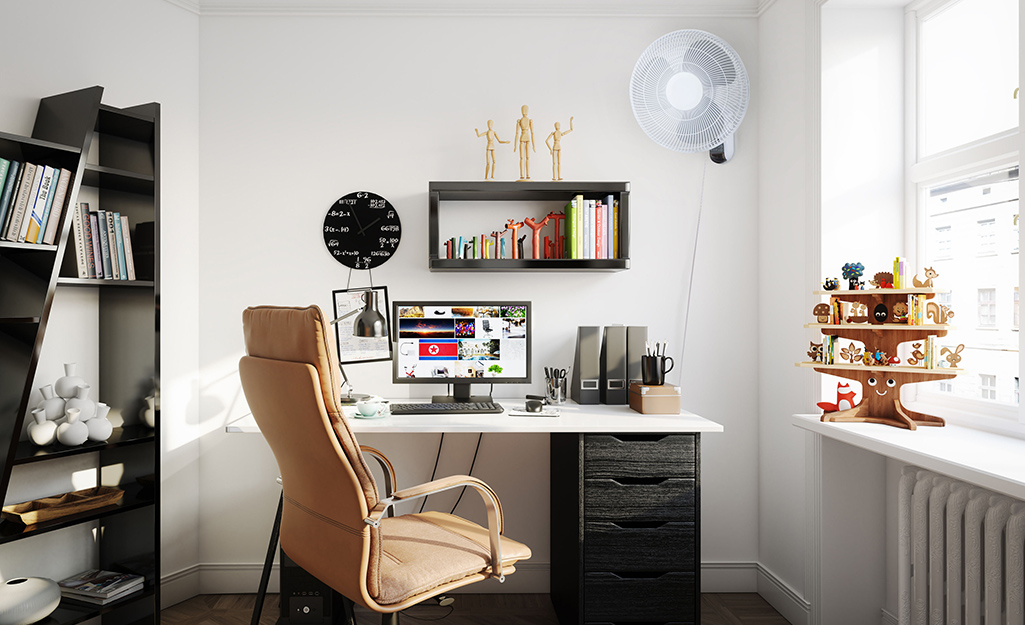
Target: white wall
<point x="64" y="45"/>
<point x="297" y="112"/>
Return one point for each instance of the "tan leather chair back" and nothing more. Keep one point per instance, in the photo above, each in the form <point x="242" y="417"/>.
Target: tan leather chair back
<point x="292" y="384"/>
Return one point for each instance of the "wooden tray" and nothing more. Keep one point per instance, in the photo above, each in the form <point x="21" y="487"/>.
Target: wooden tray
<point x="49" y="508"/>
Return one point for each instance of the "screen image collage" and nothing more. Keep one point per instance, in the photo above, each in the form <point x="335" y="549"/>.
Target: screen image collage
<point x="462" y="341"/>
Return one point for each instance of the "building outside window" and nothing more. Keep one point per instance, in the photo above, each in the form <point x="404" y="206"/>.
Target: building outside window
<point x="988" y="386"/>
<point x="943" y="242"/>
<point x="987" y="237"/>
<point x="987" y="308"/>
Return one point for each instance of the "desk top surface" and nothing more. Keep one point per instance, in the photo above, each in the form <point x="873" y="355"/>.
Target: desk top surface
<point x="572" y="418"/>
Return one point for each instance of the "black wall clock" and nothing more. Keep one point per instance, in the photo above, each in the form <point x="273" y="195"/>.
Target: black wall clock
<point x="362" y="230"/>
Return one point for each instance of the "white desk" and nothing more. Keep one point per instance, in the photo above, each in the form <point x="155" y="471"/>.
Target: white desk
<point x="573" y="418"/>
<point x="625" y="502"/>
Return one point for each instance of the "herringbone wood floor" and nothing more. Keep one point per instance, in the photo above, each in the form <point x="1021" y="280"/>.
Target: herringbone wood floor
<point x="492" y="609"/>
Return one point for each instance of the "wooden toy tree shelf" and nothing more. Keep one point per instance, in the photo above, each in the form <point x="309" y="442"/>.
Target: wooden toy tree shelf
<point x="881" y="384"/>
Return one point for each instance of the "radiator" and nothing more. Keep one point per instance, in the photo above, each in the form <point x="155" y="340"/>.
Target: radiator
<point x="960" y="559"/>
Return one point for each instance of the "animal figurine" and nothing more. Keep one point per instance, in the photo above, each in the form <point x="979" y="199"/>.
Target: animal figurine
<point x="938" y="313"/>
<point x="536" y="227"/>
<point x="899" y="314"/>
<point x="515" y="226"/>
<point x="844" y="399"/>
<point x="815" y="351"/>
<point x="916" y="354"/>
<point x="930" y="273"/>
<point x="822" y="312"/>
<point x="880" y="314"/>
<point x="882" y="280"/>
<point x="953" y="356"/>
<point x="831" y="284"/>
<point x="851" y="272"/>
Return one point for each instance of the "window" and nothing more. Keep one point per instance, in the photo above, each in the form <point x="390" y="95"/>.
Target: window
<point x="988" y="386"/>
<point x="987" y="308"/>
<point x="968" y="55"/>
<point x="963" y="177"/>
<point x="987" y="237"/>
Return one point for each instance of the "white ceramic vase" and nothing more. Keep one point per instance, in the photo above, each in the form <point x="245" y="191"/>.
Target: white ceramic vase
<point x="52" y="404"/>
<point x="25" y="600"/>
<point x="67" y="386"/>
<point x="73" y="432"/>
<point x="42" y="431"/>
<point x="100" y="428"/>
<point x="86" y="406"/>
<point x="148" y="414"/>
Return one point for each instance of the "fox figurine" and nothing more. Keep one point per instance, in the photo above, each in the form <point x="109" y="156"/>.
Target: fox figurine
<point x="844" y="399"/>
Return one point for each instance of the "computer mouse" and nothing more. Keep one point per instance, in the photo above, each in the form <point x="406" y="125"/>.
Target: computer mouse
<point x="532" y="405"/>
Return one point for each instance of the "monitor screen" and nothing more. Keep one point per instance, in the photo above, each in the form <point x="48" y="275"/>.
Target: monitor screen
<point x="461" y="343"/>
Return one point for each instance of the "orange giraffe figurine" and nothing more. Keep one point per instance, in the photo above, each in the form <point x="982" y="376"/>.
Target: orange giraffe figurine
<point x="557" y="241"/>
<point x="536" y="227"/>
<point x="515" y="227"/>
<point x="498" y="237"/>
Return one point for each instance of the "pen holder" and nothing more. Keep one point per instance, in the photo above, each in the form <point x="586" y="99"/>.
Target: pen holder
<point x="654" y="370"/>
<point x="555" y="391"/>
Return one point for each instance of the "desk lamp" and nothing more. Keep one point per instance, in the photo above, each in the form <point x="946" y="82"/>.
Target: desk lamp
<point x="369" y="324"/>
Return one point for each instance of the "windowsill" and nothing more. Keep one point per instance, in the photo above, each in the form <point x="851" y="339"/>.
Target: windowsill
<point x="993" y="461"/>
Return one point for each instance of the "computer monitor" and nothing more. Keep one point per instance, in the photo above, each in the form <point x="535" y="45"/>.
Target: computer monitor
<point x="461" y="343"/>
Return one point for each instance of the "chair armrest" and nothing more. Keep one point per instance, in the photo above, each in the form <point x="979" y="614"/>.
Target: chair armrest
<point x="496" y="520"/>
<point x="389" y="471"/>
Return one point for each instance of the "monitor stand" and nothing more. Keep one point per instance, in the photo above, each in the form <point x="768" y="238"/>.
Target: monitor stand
<point x="461" y="393"/>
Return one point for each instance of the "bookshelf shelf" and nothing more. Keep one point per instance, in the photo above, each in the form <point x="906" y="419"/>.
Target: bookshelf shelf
<point x="123" y="350"/>
<point x="881" y="327"/>
<point x="526" y="191"/>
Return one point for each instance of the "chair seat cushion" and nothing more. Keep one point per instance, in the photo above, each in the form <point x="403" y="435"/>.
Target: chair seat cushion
<point x="422" y="551"/>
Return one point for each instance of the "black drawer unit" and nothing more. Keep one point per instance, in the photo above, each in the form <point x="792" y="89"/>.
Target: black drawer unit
<point x="624" y="531"/>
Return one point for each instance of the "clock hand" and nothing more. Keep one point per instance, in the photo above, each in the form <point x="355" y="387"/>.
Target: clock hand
<point x="356" y="217"/>
<point x="364" y="228"/>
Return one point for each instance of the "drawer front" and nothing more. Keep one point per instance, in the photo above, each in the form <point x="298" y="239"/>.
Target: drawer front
<point x="622" y="598"/>
<point x="640" y="455"/>
<point x="639" y="499"/>
<point x="639" y="546"/>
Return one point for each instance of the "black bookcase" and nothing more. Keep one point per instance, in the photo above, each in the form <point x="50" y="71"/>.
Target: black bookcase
<point x="527" y="191"/>
<point x="126" y="180"/>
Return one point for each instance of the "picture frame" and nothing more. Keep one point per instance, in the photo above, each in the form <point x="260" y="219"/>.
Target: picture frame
<point x="353" y="349"/>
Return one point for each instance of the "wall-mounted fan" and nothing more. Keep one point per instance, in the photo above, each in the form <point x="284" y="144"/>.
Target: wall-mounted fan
<point x="689" y="92"/>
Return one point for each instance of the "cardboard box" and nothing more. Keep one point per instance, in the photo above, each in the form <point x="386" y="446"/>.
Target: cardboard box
<point x="663" y="399"/>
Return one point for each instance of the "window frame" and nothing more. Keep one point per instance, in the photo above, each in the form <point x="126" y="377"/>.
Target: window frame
<point x="1001" y="150"/>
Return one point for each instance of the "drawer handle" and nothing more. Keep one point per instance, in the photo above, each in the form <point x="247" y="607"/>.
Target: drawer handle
<point x="639" y="575"/>
<point x="638" y="438"/>
<point x="638" y="481"/>
<point x="640" y="525"/>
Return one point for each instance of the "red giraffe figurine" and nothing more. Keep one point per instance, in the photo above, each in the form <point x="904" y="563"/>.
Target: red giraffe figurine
<point x="515" y="227"/>
<point x="536" y="227"/>
<point x="557" y="240"/>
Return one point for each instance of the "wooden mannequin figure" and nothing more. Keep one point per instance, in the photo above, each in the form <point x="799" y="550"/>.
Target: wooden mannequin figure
<point x="515" y="227"/>
<point x="524" y="136"/>
<point x="556" y="148"/>
<point x="536" y="227"/>
<point x="489" y="158"/>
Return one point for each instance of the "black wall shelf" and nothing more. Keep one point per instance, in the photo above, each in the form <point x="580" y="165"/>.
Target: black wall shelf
<point x="527" y="191"/>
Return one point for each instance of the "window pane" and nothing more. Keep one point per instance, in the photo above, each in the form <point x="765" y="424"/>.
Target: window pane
<point x="969" y="70"/>
<point x="964" y="217"/>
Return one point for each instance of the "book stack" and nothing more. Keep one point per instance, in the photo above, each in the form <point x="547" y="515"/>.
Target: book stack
<point x="32" y="200"/>
<point x="103" y="244"/>
<point x="100" y="587"/>
<point x="592" y="228"/>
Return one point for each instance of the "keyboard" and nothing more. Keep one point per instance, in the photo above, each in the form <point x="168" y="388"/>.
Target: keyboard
<point x="446" y="408"/>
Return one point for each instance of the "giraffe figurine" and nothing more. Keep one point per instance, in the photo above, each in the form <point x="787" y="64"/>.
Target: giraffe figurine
<point x="536" y="227"/>
<point x="515" y="227"/>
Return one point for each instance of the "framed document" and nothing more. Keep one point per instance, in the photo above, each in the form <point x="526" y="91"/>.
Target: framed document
<point x="353" y="348"/>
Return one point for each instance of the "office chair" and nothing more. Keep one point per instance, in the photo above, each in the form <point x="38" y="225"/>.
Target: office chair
<point x="333" y="522"/>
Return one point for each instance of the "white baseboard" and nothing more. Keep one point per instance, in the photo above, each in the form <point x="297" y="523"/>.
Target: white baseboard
<point x="729" y="576"/>
<point x="179" y="586"/>
<point x="785" y="599"/>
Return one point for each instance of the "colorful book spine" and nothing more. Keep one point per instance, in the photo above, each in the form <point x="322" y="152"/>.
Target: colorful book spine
<point x="599" y="229"/>
<point x="24" y="202"/>
<point x="126" y="232"/>
<point x="78" y="230"/>
<point x="90" y="253"/>
<point x="37" y="205"/>
<point x="615" y="230"/>
<point x="115" y="269"/>
<point x="101" y="222"/>
<point x="9" y="189"/>
<point x="50" y="190"/>
<point x="94" y="232"/>
<point x="54" y="221"/>
<point x="610" y="244"/>
<point x="118" y="237"/>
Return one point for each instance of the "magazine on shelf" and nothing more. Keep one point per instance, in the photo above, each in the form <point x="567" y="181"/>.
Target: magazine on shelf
<point x="98" y="584"/>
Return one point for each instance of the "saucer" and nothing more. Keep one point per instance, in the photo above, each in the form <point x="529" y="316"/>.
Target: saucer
<point x="360" y="415"/>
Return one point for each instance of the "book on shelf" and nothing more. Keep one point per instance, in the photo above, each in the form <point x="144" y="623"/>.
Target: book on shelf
<point x="94" y="233"/>
<point x="78" y="228"/>
<point x="126" y="234"/>
<point x="115" y="267"/>
<point x="6" y="170"/>
<point x="36" y="201"/>
<point x="41" y="207"/>
<point x="118" y="238"/>
<point x="99" y="586"/>
<point x="13" y="176"/>
<point x="615" y="228"/>
<point x="599" y="229"/>
<point x="53" y="218"/>
<point x="101" y="223"/>
<point x="28" y="180"/>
